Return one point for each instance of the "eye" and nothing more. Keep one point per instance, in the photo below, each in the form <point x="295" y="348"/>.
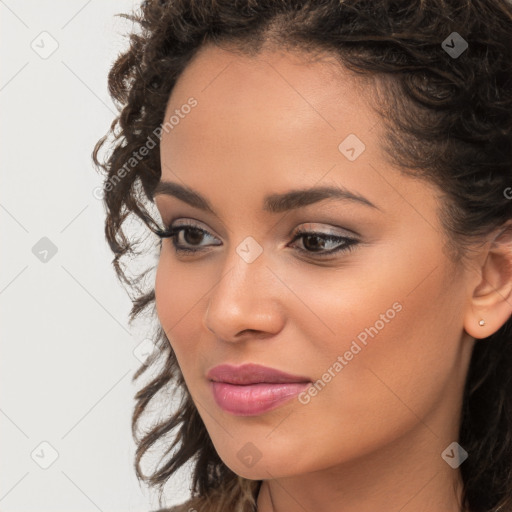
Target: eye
<point x="315" y="242"/>
<point x="186" y="239"/>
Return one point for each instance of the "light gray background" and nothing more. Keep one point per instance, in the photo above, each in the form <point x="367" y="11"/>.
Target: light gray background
<point x="66" y="349"/>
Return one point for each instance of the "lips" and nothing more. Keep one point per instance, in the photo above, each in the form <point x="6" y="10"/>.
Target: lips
<point x="252" y="389"/>
<point x="251" y="374"/>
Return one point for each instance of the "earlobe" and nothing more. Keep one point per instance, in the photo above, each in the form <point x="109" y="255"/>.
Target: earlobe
<point x="491" y="300"/>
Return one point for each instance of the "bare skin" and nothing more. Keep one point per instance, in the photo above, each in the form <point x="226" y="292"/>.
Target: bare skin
<point x="372" y="437"/>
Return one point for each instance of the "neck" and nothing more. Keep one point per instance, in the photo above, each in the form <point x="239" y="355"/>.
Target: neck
<point x="409" y="475"/>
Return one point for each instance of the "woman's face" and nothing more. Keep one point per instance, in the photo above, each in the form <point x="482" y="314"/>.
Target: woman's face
<point x="376" y="327"/>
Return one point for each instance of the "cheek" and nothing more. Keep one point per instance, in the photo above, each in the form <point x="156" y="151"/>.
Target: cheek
<point x="178" y="294"/>
<point x="406" y="321"/>
<point x="384" y="349"/>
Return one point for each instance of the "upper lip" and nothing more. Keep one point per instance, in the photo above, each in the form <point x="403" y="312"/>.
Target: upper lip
<point x="251" y="374"/>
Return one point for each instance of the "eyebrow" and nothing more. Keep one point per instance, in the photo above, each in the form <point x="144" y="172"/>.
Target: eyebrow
<point x="273" y="203"/>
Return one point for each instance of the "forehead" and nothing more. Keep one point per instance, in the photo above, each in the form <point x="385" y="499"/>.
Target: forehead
<point x="277" y="81"/>
<point x="264" y="107"/>
<point x="275" y="122"/>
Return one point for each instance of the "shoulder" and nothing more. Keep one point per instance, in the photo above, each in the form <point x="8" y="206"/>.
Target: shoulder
<point x="238" y="496"/>
<point x="187" y="506"/>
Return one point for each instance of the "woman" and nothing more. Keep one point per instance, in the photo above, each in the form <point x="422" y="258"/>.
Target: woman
<point x="331" y="185"/>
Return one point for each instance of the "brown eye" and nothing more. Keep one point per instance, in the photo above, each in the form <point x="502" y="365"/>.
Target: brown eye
<point x="313" y="242"/>
<point x="187" y="239"/>
<point x="323" y="244"/>
<point x="192" y="235"/>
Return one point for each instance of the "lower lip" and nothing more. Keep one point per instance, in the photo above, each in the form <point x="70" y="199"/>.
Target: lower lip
<point x="254" y="399"/>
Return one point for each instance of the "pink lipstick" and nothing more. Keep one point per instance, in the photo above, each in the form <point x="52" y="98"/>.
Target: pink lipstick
<point x="253" y="389"/>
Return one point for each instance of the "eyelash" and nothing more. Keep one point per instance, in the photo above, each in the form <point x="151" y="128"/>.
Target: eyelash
<point x="347" y="246"/>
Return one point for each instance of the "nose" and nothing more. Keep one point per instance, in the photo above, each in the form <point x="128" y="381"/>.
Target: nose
<point x="245" y="302"/>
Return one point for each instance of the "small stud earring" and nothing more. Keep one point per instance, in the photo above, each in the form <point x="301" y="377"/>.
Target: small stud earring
<point x="482" y="322"/>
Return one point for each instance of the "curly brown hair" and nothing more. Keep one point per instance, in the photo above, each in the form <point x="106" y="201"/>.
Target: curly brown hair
<point x="448" y="120"/>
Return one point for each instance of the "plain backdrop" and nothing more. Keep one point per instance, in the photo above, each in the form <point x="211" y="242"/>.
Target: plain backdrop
<point x="67" y="352"/>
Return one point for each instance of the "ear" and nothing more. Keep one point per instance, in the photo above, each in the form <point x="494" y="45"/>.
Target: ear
<point x="491" y="298"/>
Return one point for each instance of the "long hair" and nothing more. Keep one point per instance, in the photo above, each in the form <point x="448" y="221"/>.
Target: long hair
<point x="448" y="119"/>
